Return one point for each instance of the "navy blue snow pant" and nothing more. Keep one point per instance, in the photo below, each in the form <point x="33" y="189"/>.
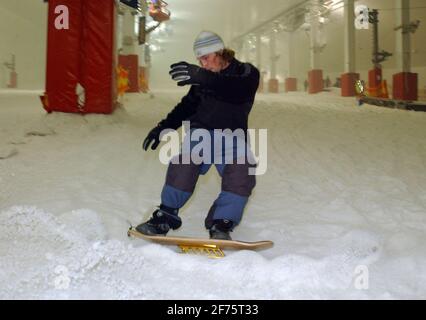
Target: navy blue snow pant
<point x="236" y="188"/>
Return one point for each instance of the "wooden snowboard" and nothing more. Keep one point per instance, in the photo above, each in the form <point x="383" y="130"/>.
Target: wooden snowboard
<point x="189" y="245"/>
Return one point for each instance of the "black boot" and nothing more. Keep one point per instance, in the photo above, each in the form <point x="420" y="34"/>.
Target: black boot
<point x="220" y="230"/>
<point x="163" y="219"/>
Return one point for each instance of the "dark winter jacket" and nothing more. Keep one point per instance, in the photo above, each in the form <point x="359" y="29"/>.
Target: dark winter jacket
<point x="223" y="102"/>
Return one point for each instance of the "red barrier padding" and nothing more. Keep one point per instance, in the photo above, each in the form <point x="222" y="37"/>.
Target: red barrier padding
<point x="348" y="84"/>
<point x="316" y="83"/>
<point x="290" y="84"/>
<point x="405" y="86"/>
<point x="13" y="82"/>
<point x="375" y="78"/>
<point x="273" y="86"/>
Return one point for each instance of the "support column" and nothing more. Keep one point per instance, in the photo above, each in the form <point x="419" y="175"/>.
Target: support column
<point x="129" y="57"/>
<point x="291" y="80"/>
<point x="315" y="74"/>
<point x="246" y="51"/>
<point x="240" y="51"/>
<point x="315" y="57"/>
<point x="259" y="61"/>
<point x="273" y="85"/>
<point x="349" y="77"/>
<point x="376" y="85"/>
<point x="404" y="83"/>
<point x="258" y="51"/>
<point x="143" y="51"/>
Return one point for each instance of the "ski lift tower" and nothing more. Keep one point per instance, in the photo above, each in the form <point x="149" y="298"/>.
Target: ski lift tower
<point x="375" y="77"/>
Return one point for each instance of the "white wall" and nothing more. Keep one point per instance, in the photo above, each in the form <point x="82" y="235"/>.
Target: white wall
<point x="23" y="28"/>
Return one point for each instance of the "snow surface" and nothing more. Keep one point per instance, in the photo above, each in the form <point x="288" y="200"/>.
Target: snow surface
<point x="345" y="188"/>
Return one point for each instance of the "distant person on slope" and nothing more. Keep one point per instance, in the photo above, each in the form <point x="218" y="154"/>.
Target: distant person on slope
<point x="221" y="96"/>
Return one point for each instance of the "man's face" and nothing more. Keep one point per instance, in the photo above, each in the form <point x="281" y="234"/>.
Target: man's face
<point x="211" y="62"/>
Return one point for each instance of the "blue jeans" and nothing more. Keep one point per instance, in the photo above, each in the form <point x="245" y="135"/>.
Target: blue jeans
<point x="237" y="184"/>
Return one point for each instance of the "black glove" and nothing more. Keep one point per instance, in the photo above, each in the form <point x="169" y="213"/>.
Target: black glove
<point x="185" y="73"/>
<point x="153" y="135"/>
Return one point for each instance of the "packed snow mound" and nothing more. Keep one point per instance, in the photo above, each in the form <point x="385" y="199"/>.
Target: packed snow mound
<point x="48" y="257"/>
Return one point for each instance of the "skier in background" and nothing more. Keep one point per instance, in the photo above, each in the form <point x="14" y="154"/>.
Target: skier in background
<point x="221" y="96"/>
<point x="327" y="82"/>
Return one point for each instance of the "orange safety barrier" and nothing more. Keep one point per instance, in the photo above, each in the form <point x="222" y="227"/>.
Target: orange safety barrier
<point x="130" y="63"/>
<point x="122" y="80"/>
<point x="381" y="91"/>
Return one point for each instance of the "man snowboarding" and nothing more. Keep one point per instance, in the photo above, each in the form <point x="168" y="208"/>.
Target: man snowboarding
<point x="221" y="96"/>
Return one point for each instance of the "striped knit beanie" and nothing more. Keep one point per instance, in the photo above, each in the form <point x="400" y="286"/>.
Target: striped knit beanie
<point x="207" y="42"/>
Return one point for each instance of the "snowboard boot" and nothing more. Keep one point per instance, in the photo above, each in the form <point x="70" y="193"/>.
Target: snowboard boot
<point x="163" y="219"/>
<point x="220" y="230"/>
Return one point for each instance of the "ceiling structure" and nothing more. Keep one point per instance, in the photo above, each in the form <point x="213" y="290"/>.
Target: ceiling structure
<point x="230" y="18"/>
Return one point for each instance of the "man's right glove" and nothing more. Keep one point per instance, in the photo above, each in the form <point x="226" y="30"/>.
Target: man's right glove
<point x="153" y="136"/>
<point x="184" y="73"/>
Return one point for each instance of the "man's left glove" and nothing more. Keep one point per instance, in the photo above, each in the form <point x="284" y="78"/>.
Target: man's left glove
<point x="185" y="73"/>
<point x="152" y="137"/>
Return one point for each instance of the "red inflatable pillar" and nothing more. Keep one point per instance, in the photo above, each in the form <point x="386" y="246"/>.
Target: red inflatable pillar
<point x="316" y="83"/>
<point x="290" y="84"/>
<point x="348" y="84"/>
<point x="80" y="55"/>
<point x="405" y="86"/>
